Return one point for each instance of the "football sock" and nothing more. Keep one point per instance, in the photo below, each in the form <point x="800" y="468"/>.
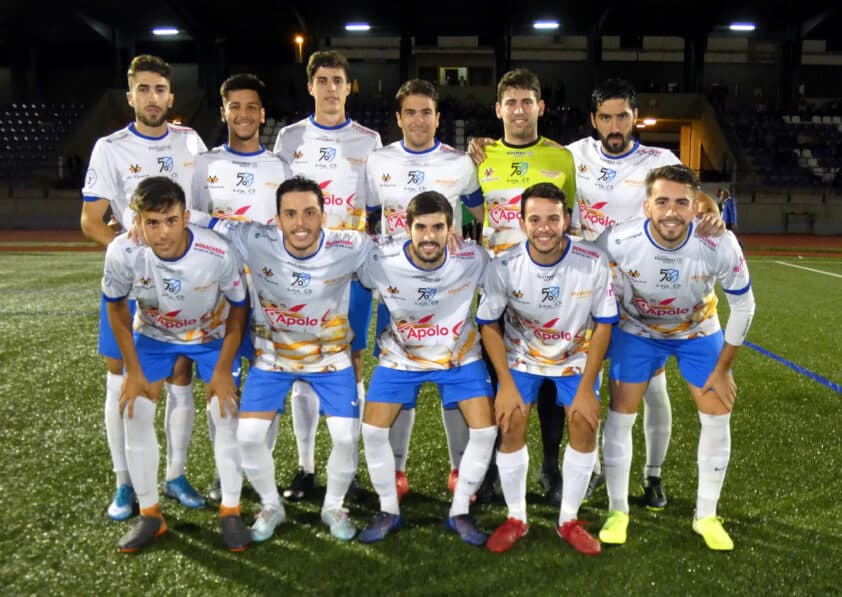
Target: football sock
<point x="272" y="434"/>
<point x="576" y="468"/>
<point x="512" y="468"/>
<point x="305" y="421"/>
<point x="597" y="463"/>
<point x="713" y="455"/>
<point x="178" y="423"/>
<point x="617" y="453"/>
<point x="381" y="466"/>
<point x="258" y="464"/>
<point x="456" y="430"/>
<point x="342" y="462"/>
<point x="399" y="436"/>
<point x="472" y="468"/>
<point x="657" y="424"/>
<point x="142" y="451"/>
<point x="226" y="453"/>
<point x="114" y="428"/>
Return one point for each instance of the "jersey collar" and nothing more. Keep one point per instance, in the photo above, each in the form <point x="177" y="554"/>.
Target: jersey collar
<point x="412" y="263"/>
<point x="436" y="144"/>
<point x="244" y="153"/>
<point x="634" y="147"/>
<point x="134" y="131"/>
<point x="655" y="243"/>
<point x="311" y="255"/>
<point x="524" y="146"/>
<point x="186" y="250"/>
<point x="312" y="119"/>
<point x="559" y="260"/>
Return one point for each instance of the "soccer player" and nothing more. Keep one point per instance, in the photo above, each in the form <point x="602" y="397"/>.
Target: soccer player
<point x="431" y="337"/>
<point x="395" y="174"/>
<point x="238" y="179"/>
<point x="610" y="171"/>
<point x="191" y="302"/>
<point x="729" y="210"/>
<point x="331" y="149"/>
<point x="518" y="160"/>
<point x="147" y="147"/>
<point x="301" y="277"/>
<point x="668" y="308"/>
<point x="558" y="302"/>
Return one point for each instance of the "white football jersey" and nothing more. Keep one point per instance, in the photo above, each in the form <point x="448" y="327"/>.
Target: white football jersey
<point x="183" y="301"/>
<point x="300" y="305"/>
<point x="431" y="326"/>
<point x="335" y="157"/>
<point x="669" y="293"/>
<point x="549" y="309"/>
<point x="611" y="189"/>
<point x="122" y="159"/>
<point x="396" y="174"/>
<point x="236" y="185"/>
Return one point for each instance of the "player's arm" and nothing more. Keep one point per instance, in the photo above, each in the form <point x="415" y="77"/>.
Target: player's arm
<point x="476" y="148"/>
<point x="720" y="381"/>
<point x="585" y="402"/>
<point x="222" y="383"/>
<point x="508" y="399"/>
<point x="93" y="221"/>
<point x="135" y="383"/>
<point x="709" y="222"/>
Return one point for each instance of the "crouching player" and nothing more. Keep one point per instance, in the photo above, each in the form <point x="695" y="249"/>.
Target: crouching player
<point x="666" y="277"/>
<point x="431" y="337"/>
<point x="558" y="302"/>
<point x="190" y="302"/>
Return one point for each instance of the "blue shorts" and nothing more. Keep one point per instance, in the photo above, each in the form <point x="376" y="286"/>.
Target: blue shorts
<point x="107" y="345"/>
<point x="634" y="359"/>
<point x="455" y="385"/>
<point x="158" y="358"/>
<point x="266" y="391"/>
<point x="359" y="314"/>
<point x="565" y="387"/>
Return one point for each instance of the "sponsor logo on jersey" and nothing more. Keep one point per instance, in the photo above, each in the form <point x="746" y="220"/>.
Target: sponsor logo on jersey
<point x="343" y="243"/>
<point x="739" y="267"/>
<point x="424" y="328"/>
<point x="593" y="214"/>
<point x="172" y="285"/>
<point x="633" y="274"/>
<point x="356" y="161"/>
<point x="210" y="248"/>
<point x="135" y="168"/>
<point x="331" y="199"/>
<point x="165" y="164"/>
<point x="587" y="293"/>
<point x="606" y="174"/>
<point x="335" y="281"/>
<point x="662" y="309"/>
<point x="297" y="154"/>
<point x="519" y="168"/>
<point x="393" y="290"/>
<point x="549" y="173"/>
<point x="581" y="250"/>
<point x="289" y="318"/>
<point x="504" y="213"/>
<point x="582" y="168"/>
<point x="395" y="221"/>
<point x="517" y="294"/>
<point x="385" y="178"/>
<point x="327" y="154"/>
<point x="669" y="274"/>
<point x="266" y="271"/>
<point x="170" y="320"/>
<point x="489" y="172"/>
<point x="549" y="294"/>
<point x="90" y="177"/>
<point x="301" y="279"/>
<point x="238" y="215"/>
<point x="459" y="289"/>
<point x="426" y="295"/>
<point x="415" y="177"/>
<point x="546" y="332"/>
<point x="245" y="179"/>
<point x="213" y="179"/>
<point x="446" y="182"/>
<point x="145" y="282"/>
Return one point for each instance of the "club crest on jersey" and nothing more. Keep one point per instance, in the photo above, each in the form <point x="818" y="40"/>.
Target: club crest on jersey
<point x="90" y="177"/>
<point x="426" y="296"/>
<point x="165" y="163"/>
<point x="135" y="168"/>
<point x="172" y="285"/>
<point x="327" y="154"/>
<point x="415" y="177"/>
<point x="606" y="174"/>
<point x="549" y="294"/>
<point x="301" y="279"/>
<point x="669" y="275"/>
<point x="245" y="179"/>
<point x="519" y="168"/>
<point x="503" y="213"/>
<point x="663" y="308"/>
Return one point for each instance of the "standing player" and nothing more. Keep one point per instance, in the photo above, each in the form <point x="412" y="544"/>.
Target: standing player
<point x="518" y="160"/>
<point x="431" y="337"/>
<point x="558" y="302"/>
<point x="331" y="149"/>
<point x="668" y="308"/>
<point x="610" y="171"/>
<point x="301" y="276"/>
<point x="238" y="179"/>
<point x="184" y="280"/>
<point x="147" y="147"/>
<point x="395" y="174"/>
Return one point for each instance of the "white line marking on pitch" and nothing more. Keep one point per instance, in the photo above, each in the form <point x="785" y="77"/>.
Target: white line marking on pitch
<point x="809" y="269"/>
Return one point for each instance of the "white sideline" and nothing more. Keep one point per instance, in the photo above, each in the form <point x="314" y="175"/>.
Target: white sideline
<point x="809" y="269"/>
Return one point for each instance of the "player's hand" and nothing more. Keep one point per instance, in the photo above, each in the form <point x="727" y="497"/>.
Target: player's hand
<point x="508" y="401"/>
<point x="476" y="148"/>
<point x="722" y="384"/>
<point x="223" y="387"/>
<point x="709" y="224"/>
<point x="134" y="385"/>
<point x="585" y="404"/>
<point x="115" y="226"/>
<point x="136" y="236"/>
<point x="454" y="242"/>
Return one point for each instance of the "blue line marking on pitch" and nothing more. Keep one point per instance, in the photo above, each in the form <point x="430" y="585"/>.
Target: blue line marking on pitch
<point x="814" y="376"/>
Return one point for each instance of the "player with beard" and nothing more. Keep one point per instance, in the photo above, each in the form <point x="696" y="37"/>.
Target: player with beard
<point x="149" y="146"/>
<point x="431" y="336"/>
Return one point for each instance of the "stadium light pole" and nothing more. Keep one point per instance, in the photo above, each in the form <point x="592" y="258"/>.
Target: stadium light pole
<point x="299" y="49"/>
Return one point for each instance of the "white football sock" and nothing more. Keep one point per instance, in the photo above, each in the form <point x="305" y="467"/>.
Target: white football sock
<point x="272" y="434"/>
<point x="399" y="436"/>
<point x="657" y="424"/>
<point x="512" y="468"/>
<point x="343" y="459"/>
<point x="142" y="452"/>
<point x="114" y="429"/>
<point x="597" y="463"/>
<point x="304" y="403"/>
<point x="617" y="453"/>
<point x="576" y="468"/>
<point x="713" y="455"/>
<point x="473" y="467"/>
<point x="456" y="431"/>
<point x="226" y="452"/>
<point x="258" y="464"/>
<point x="381" y="466"/>
<point x="178" y="424"/>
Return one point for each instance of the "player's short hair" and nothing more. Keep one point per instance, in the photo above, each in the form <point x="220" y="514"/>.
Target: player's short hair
<point x="675" y="173"/>
<point x="299" y="184"/>
<point x="613" y="89"/>
<point x="416" y="87"/>
<point x="327" y="59"/>
<point x="150" y="64"/>
<point x="242" y="81"/>
<point x="519" y="78"/>
<point x="157" y="193"/>
<point x="543" y="190"/>
<point x="429" y="202"/>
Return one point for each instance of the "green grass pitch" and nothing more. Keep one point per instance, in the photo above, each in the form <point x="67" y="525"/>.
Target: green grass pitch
<point x="780" y="501"/>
